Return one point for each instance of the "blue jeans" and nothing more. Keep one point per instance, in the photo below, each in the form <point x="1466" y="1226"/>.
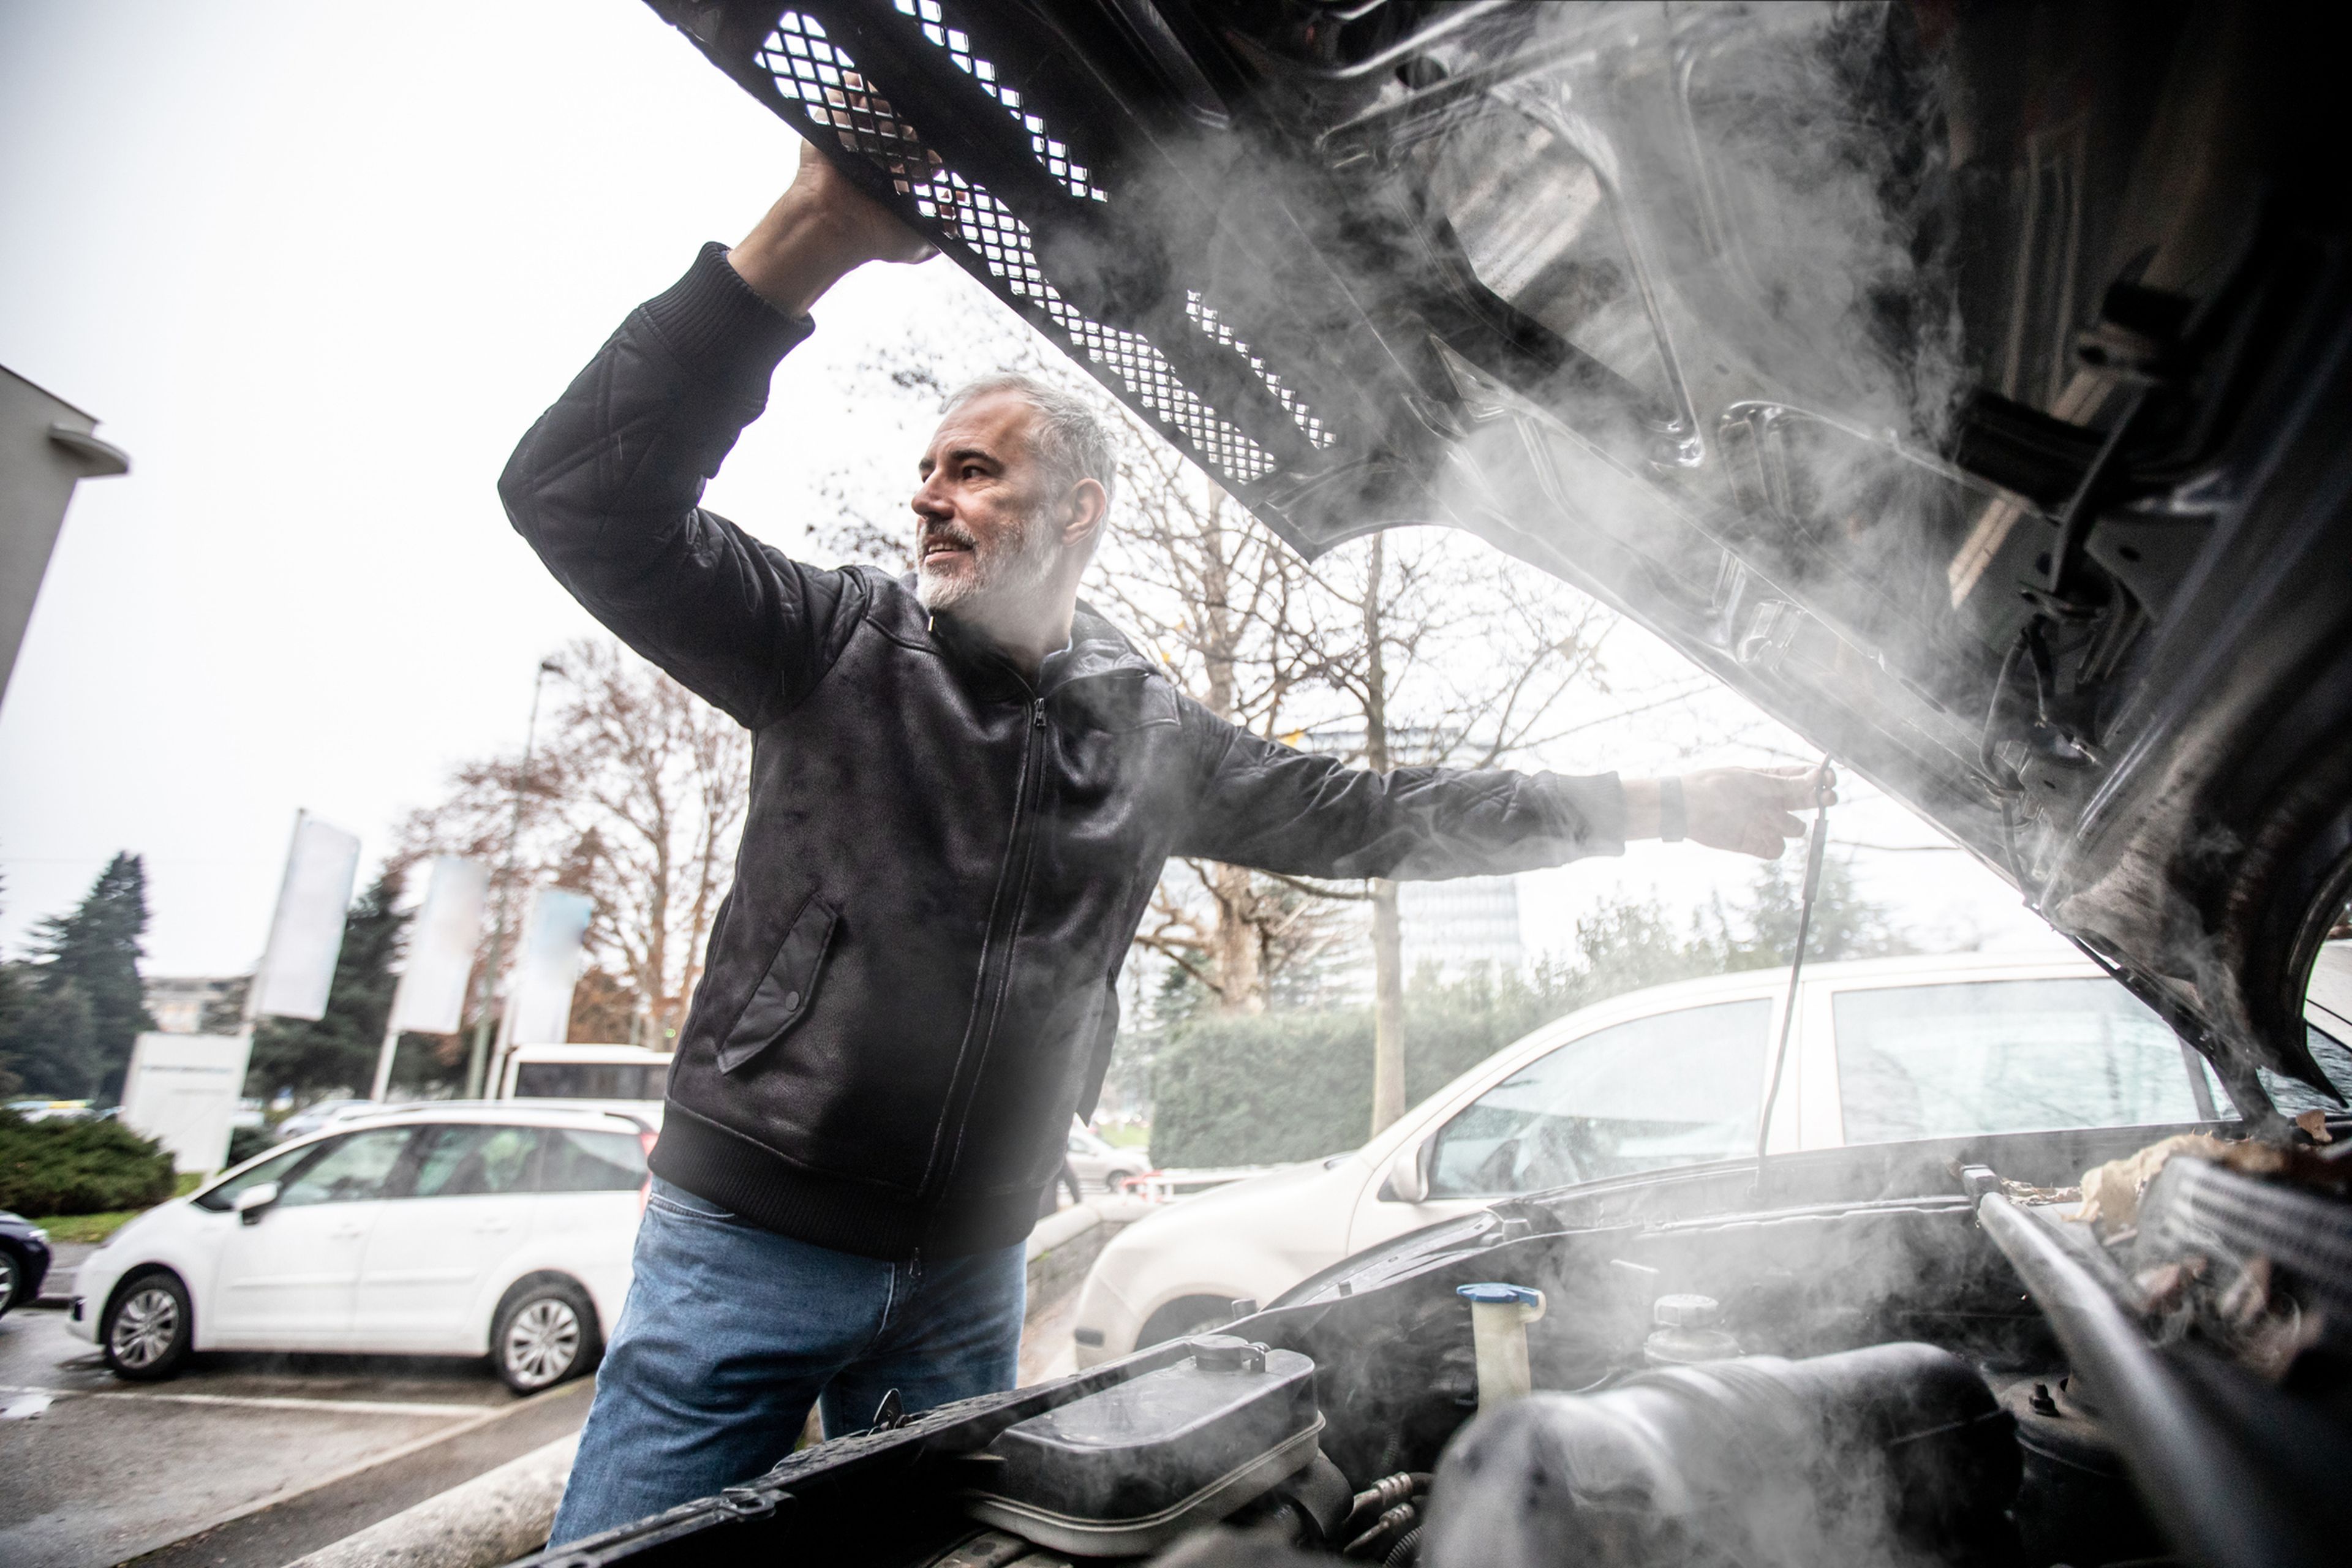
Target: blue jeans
<point x="730" y="1332"/>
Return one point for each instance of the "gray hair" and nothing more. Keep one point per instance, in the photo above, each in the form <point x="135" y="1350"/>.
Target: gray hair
<point x="1071" y="440"/>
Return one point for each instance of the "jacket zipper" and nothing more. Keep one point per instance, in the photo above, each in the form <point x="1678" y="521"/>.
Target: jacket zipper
<point x="996" y="964"/>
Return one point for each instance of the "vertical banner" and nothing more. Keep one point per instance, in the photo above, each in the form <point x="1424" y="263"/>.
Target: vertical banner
<point x="546" y="969"/>
<point x="431" y="998"/>
<point x="306" y="934"/>
<point x="182" y="1090"/>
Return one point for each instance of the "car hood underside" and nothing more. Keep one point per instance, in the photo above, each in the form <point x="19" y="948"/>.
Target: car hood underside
<point x="1964" y="386"/>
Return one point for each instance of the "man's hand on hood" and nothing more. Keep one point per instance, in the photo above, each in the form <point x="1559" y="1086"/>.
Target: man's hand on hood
<point x="1752" y="810"/>
<point x="820" y="229"/>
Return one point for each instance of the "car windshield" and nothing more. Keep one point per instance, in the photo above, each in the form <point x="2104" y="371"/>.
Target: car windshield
<point x="1671" y="1089"/>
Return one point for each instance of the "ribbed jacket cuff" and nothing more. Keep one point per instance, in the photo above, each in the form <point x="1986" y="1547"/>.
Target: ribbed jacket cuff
<point x="719" y="330"/>
<point x="1594" y="806"/>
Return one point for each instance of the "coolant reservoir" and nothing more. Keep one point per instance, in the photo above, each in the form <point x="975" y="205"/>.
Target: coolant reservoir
<point x="1499" y="1316"/>
<point x="1131" y="1469"/>
<point x="1687" y="1332"/>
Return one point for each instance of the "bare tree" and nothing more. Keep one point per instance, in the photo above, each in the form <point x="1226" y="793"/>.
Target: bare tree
<point x="1446" y="654"/>
<point x="636" y="799"/>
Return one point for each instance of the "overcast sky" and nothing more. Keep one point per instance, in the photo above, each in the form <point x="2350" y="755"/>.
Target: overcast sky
<point x="316" y="267"/>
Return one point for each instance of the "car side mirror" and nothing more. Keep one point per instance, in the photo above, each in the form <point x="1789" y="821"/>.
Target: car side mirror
<point x="1408" y="1177"/>
<point x="255" y="1201"/>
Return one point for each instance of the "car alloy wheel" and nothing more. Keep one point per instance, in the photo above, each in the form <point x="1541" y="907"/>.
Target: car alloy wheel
<point x="541" y="1344"/>
<point x="7" y="1279"/>
<point x="147" y="1331"/>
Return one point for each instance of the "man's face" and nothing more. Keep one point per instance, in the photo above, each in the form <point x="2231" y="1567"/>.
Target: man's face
<point x="985" y="528"/>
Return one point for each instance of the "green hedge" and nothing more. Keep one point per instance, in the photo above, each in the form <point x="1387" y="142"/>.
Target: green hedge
<point x="1260" y="1088"/>
<point x="60" y="1167"/>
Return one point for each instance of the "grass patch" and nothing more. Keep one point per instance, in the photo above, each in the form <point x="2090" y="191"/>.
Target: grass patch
<point x="89" y="1228"/>
<point x="1124" y="1136"/>
<point x="93" y="1229"/>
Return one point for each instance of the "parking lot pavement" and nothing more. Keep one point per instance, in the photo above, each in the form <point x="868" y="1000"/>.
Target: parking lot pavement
<point x="258" y="1457"/>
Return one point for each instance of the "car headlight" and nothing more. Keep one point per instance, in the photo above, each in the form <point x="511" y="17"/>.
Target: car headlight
<point x="39" y="1235"/>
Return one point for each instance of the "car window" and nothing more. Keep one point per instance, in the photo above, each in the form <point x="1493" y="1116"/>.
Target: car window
<point x="352" y="1170"/>
<point x="593" y="1163"/>
<point x="1672" y="1090"/>
<point x="459" y="1160"/>
<point x="2004" y="1056"/>
<point x="274" y="1168"/>
<point x="591" y="1080"/>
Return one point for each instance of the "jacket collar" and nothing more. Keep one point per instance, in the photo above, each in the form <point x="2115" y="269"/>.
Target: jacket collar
<point x="1097" y="649"/>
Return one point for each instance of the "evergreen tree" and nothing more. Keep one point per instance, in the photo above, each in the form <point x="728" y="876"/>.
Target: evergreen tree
<point x="12" y="1010"/>
<point x="80" y="1005"/>
<point x="338" y="1051"/>
<point x="1845" y="924"/>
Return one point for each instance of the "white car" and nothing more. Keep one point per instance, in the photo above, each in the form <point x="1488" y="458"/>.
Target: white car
<point x="629" y="1078"/>
<point x="1883" y="1050"/>
<point x="459" y="1229"/>
<point x="1097" y="1163"/>
<point x="321" y="1114"/>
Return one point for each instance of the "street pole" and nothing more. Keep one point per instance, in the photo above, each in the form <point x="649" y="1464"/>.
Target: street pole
<point x="478" y="1058"/>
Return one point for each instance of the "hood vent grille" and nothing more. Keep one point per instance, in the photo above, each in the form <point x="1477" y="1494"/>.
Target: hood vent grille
<point x="808" y="66"/>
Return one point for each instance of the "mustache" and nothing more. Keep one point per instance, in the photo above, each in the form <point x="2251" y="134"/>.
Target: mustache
<point x="946" y="533"/>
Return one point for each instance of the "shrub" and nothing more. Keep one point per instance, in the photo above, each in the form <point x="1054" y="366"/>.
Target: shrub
<point x="1237" y="1088"/>
<point x="60" y="1167"/>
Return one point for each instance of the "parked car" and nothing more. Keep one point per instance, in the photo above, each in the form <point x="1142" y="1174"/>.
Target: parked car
<point x="1880" y="1051"/>
<point x="53" y="1109"/>
<point x="321" y="1114"/>
<point x="24" y="1260"/>
<point x="624" y="1078"/>
<point x="1103" y="1165"/>
<point x="464" y="1229"/>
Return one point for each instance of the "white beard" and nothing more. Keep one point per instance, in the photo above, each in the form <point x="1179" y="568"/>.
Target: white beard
<point x="1011" y="571"/>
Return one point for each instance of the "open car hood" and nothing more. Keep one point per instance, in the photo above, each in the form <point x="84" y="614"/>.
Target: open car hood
<point x="1964" y="386"/>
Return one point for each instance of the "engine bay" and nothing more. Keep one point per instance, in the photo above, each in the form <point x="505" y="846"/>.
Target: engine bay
<point x="1910" y="1354"/>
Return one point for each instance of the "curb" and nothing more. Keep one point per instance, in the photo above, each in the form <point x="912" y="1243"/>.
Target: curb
<point x="497" y="1517"/>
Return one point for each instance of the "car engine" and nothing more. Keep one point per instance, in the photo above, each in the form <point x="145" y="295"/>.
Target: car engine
<point x="1955" y="1353"/>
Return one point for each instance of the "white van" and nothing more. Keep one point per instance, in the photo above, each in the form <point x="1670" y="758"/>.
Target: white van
<point x="1883" y="1050"/>
<point x="618" y="1078"/>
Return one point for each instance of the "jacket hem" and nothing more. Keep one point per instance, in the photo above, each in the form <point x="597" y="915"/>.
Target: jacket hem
<point x="758" y="1184"/>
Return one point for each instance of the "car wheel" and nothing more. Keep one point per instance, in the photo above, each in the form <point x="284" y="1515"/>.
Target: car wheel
<point x="9" y="1275"/>
<point x="1114" y="1183"/>
<point x="545" y="1332"/>
<point x="1183" y="1318"/>
<point x="147" y="1328"/>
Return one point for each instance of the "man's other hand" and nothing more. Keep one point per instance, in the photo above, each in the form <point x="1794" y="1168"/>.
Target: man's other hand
<point x="822" y="228"/>
<point x="1754" y="811"/>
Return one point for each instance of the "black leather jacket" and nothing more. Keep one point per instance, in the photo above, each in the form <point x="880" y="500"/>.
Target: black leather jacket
<point x="913" y="984"/>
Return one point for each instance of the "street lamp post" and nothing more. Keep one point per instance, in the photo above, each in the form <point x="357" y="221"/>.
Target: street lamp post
<point x="478" y="1055"/>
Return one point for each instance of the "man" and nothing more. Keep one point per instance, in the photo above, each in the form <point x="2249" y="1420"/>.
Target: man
<point x="963" y="788"/>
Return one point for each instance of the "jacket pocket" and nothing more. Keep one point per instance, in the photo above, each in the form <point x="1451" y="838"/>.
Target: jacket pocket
<point x="787" y="989"/>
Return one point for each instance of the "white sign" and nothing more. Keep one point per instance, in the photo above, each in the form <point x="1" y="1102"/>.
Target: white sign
<point x="307" y="931"/>
<point x="183" y="1090"/>
<point x="547" y="968"/>
<point x="431" y="998"/>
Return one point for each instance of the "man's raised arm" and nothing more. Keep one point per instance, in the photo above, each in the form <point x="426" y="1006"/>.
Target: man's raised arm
<point x="1266" y="805"/>
<point x="606" y="485"/>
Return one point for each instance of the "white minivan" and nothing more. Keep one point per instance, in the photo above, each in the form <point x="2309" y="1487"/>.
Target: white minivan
<point x="1883" y="1050"/>
<point x="627" y="1078"/>
<point x="457" y="1229"/>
